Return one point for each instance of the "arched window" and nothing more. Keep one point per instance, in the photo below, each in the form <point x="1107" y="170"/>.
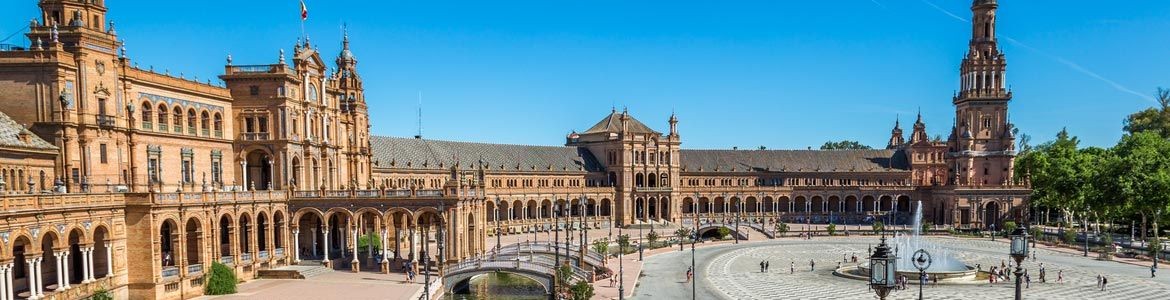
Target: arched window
<point x="312" y="93"/>
<point x="205" y="123"/>
<point x="147" y="115"/>
<point x="162" y="116"/>
<point x="177" y="119"/>
<point x="218" y="125"/>
<point x="191" y="121"/>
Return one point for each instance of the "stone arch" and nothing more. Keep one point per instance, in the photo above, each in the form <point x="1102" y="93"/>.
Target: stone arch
<point x="869" y="203"/>
<point x="851" y="203"/>
<point x="74" y="242"/>
<point x="801" y="204"/>
<point x="769" y="204"/>
<point x="226" y="223"/>
<point x="887" y="203"/>
<point x="168" y="241"/>
<point x="193" y="230"/>
<point x="102" y="264"/>
<point x="546" y="209"/>
<point x="262" y="226"/>
<point x="517" y="210"/>
<point x="606" y="207"/>
<point x="835" y="204"/>
<point x="817" y="205"/>
<point x="533" y="210"/>
<point x="904" y="204"/>
<point x="785" y="204"/>
<point x="278" y="225"/>
<point x="752" y="205"/>
<point x="652" y="180"/>
<point x="688" y="205"/>
<point x="719" y="205"/>
<point x="704" y="205"/>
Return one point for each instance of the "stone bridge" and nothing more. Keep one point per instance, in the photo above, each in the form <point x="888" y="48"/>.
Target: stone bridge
<point x="592" y="259"/>
<point x="458" y="276"/>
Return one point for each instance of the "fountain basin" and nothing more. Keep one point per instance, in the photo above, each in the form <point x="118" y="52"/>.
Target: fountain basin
<point x="861" y="272"/>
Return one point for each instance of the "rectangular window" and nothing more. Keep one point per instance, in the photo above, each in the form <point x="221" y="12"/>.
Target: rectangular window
<point x="152" y="170"/>
<point x="254" y="90"/>
<point x="262" y="123"/>
<point x="76" y="175"/>
<point x="186" y="171"/>
<point x="102" y="153"/>
<point x="249" y="125"/>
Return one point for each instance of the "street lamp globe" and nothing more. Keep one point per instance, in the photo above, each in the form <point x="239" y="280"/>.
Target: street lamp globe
<point x="882" y="267"/>
<point x="1019" y="244"/>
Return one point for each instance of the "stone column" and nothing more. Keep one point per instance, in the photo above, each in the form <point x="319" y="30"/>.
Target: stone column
<point x="109" y="260"/>
<point x="313" y="241"/>
<point x="296" y="246"/>
<point x="355" y="265"/>
<point x="33" y="277"/>
<point x="57" y="260"/>
<point x="65" y="270"/>
<point x="385" y="261"/>
<point x="5" y="290"/>
<point x="325" y="236"/>
<point x="87" y="265"/>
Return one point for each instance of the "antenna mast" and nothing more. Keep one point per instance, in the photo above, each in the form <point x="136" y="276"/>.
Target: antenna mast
<point x="419" y="135"/>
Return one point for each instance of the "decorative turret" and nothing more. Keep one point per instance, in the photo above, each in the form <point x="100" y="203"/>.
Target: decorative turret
<point x="919" y="134"/>
<point x="896" y="138"/>
<point x="673" y="125"/>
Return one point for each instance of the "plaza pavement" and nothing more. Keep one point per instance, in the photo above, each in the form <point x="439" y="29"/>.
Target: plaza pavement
<point x="331" y="285"/>
<point x="732" y="272"/>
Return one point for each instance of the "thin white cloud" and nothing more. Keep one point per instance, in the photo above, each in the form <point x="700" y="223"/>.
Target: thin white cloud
<point x="1061" y="60"/>
<point x="879" y="4"/>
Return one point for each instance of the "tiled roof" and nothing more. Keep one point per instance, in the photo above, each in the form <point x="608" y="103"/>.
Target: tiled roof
<point x="794" y="160"/>
<point x="10" y="133"/>
<point x="395" y="152"/>
<point x="613" y="123"/>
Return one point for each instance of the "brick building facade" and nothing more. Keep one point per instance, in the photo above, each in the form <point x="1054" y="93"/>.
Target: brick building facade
<point x="135" y="180"/>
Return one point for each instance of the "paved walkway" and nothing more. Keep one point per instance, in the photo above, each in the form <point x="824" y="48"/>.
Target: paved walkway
<point x="732" y="272"/>
<point x="332" y="285"/>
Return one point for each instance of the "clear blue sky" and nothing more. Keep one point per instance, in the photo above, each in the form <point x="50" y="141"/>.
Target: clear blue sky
<point x="783" y="74"/>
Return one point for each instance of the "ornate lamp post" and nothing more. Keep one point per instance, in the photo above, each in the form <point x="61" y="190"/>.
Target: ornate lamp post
<point x="738" y="214"/>
<point x="921" y="262"/>
<point x="556" y="210"/>
<point x="621" y="267"/>
<point x="1019" y="252"/>
<point x="695" y="237"/>
<point x="882" y="267"/>
<point x="640" y="237"/>
<point x="498" y="232"/>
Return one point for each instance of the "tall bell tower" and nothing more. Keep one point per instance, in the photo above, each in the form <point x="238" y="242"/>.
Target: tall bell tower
<point x="982" y="143"/>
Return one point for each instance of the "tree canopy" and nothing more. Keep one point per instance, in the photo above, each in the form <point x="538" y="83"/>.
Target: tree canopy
<point x="1153" y="119"/>
<point x="843" y="145"/>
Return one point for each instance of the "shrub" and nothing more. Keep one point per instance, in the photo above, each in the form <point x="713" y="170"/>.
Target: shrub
<point x="101" y="294"/>
<point x="926" y="228"/>
<point x="832" y="229"/>
<point x="370" y="240"/>
<point x="1068" y="236"/>
<point x="581" y="290"/>
<point x="1009" y="227"/>
<point x="952" y="231"/>
<point x="623" y="243"/>
<point x="722" y="233"/>
<point x="1036" y="233"/>
<point x="601" y="246"/>
<point x="1154" y="248"/>
<point x="652" y="237"/>
<point x="878" y="226"/>
<point x="781" y="228"/>
<point x="222" y="281"/>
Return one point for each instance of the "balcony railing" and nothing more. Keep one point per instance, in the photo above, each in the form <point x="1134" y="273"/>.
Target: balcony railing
<point x="278" y="252"/>
<point x="254" y="69"/>
<point x="430" y="193"/>
<point x="191" y="130"/>
<point x="147" y="125"/>
<point x="645" y="189"/>
<point x="219" y="133"/>
<point x="255" y="136"/>
<point x="263" y="255"/>
<point x="105" y="120"/>
<point x="194" y="269"/>
<point x="162" y="127"/>
<point x="171" y="271"/>
<point x="245" y="257"/>
<point x="205" y="132"/>
<point x="227" y="260"/>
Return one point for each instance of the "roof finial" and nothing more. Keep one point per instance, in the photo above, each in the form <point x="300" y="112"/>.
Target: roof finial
<point x="897" y="121"/>
<point x="919" y="114"/>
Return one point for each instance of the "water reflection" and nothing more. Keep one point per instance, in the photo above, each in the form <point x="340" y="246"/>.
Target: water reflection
<point x="501" y="286"/>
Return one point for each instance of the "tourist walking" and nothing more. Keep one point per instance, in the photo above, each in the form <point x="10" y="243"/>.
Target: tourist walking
<point x="1099" y="281"/>
<point x="1059" y="276"/>
<point x="761" y="266"/>
<point x="1152" y="270"/>
<point x="812" y="265"/>
<point x="1042" y="273"/>
<point x="1027" y="280"/>
<point x="791" y="267"/>
<point x="1104" y="283"/>
<point x="767" y="265"/>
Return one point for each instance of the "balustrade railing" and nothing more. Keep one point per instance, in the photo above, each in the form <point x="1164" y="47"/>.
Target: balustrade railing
<point x="195" y="268"/>
<point x="227" y="260"/>
<point x="245" y="257"/>
<point x="11" y="203"/>
<point x="262" y="254"/>
<point x="279" y="252"/>
<point x="255" y="136"/>
<point x="171" y="271"/>
<point x="205" y="197"/>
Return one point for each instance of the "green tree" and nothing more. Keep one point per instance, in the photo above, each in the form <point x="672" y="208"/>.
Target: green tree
<point x="623" y="243"/>
<point x="781" y="228"/>
<point x="601" y="246"/>
<point x="582" y="290"/>
<point x="682" y="233"/>
<point x="1069" y="236"/>
<point x="1153" y="119"/>
<point x="1141" y="172"/>
<point x="222" y="281"/>
<point x="843" y="145"/>
<point x="1060" y="175"/>
<point x="101" y="294"/>
<point x="1009" y="227"/>
<point x="878" y="226"/>
<point x="832" y="228"/>
<point x="925" y="228"/>
<point x="369" y="240"/>
<point x="652" y="237"/>
<point x="564" y="275"/>
<point x="722" y="232"/>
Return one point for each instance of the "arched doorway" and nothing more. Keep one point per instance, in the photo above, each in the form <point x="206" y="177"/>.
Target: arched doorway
<point x="225" y="236"/>
<point x="103" y="264"/>
<point x="262" y="231"/>
<point x="309" y="228"/>
<point x="245" y="229"/>
<point x="194" y="233"/>
<point x="991" y="218"/>
<point x="168" y="236"/>
<point x="294" y="178"/>
<point x="259" y="170"/>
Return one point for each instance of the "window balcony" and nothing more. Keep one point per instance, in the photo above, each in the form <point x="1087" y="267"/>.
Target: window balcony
<point x="147" y="125"/>
<point x="105" y="120"/>
<point x="162" y="127"/>
<point x="191" y="130"/>
<point x="255" y="136"/>
<point x="171" y="271"/>
<point x="205" y="132"/>
<point x="194" y="269"/>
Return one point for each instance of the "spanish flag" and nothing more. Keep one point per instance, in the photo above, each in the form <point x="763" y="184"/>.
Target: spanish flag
<point x="304" y="11"/>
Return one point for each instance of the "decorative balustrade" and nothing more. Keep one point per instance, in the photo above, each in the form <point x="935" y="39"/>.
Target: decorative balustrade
<point x="278" y="252"/>
<point x="13" y="203"/>
<point x="373" y="193"/>
<point x="656" y="189"/>
<point x="263" y="255"/>
<point x="194" y="269"/>
<point x="430" y="193"/>
<point x="254" y="136"/>
<point x="227" y="260"/>
<point x="245" y="257"/>
<point x="170" y="271"/>
<point x="367" y="193"/>
<point x="208" y="197"/>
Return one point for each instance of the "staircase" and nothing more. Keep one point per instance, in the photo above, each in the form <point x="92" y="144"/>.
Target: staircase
<point x="294" y="272"/>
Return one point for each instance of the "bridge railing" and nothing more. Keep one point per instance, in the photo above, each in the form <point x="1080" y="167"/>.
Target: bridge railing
<point x="592" y="258"/>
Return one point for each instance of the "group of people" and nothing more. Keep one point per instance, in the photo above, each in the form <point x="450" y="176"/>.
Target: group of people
<point x="409" y="267"/>
<point x="764" y="265"/>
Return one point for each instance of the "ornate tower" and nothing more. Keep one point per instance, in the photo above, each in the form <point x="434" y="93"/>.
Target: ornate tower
<point x="981" y="145"/>
<point x="896" y="138"/>
<point x="354" y="117"/>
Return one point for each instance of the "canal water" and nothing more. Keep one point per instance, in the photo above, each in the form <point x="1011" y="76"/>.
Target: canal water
<point x="501" y="286"/>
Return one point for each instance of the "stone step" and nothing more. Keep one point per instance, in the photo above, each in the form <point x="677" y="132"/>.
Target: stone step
<point x="294" y="272"/>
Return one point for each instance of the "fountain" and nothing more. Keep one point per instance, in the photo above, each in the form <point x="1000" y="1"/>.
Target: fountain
<point x="945" y="267"/>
